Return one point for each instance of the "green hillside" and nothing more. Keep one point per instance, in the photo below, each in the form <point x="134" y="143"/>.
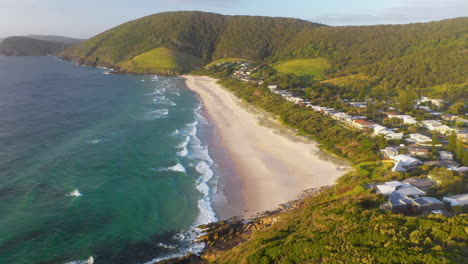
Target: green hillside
<point x="396" y="56"/>
<point x="24" y="46"/>
<point x="303" y="68"/>
<point x="206" y="36"/>
<point x="162" y="60"/>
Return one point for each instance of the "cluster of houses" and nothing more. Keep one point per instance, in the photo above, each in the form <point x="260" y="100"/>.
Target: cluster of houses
<point x="244" y="72"/>
<point x="419" y="145"/>
<point x="288" y="95"/>
<point x="409" y="196"/>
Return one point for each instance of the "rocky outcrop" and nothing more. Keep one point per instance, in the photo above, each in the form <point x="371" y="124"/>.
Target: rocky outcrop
<point x="224" y="235"/>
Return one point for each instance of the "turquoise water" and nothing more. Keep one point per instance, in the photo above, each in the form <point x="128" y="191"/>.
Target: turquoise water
<point x="127" y="144"/>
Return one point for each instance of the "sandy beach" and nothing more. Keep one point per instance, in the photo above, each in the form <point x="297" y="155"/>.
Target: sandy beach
<point x="267" y="168"/>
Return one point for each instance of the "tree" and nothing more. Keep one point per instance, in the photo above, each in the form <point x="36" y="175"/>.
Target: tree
<point x="406" y="100"/>
<point x="457" y="108"/>
<point x="452" y="142"/>
<point x="381" y="141"/>
<point x="435" y="139"/>
<point x="465" y="158"/>
<point x="459" y="151"/>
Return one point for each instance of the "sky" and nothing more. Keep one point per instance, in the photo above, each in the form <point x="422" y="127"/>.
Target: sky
<point x="86" y="18"/>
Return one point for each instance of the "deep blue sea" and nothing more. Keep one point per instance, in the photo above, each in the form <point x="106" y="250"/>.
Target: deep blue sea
<point x="96" y="164"/>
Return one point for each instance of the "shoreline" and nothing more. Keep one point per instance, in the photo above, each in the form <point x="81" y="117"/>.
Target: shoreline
<point x="261" y="167"/>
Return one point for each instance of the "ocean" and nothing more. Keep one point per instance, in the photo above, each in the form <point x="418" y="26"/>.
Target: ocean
<point x="98" y="165"/>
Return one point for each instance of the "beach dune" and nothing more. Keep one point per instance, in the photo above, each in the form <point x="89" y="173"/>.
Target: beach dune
<point x="268" y="167"/>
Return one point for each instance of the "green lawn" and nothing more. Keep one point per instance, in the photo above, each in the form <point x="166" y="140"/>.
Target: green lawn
<point x="307" y="68"/>
<point x="163" y="60"/>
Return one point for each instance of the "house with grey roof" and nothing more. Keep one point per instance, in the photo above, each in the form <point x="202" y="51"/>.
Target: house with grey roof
<point x="421" y="183"/>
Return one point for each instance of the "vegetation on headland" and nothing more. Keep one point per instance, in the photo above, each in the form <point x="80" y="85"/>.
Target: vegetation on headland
<point x="162" y="60"/>
<point x="24" y="46"/>
<point x="393" y="56"/>
<point x="35" y="45"/>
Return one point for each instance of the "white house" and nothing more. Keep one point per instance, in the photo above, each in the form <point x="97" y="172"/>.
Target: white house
<point x="406" y="119"/>
<point x="358" y="104"/>
<point x="454" y="200"/>
<point x="404" y="163"/>
<point x="389" y="152"/>
<point x="389" y="187"/>
<point x="393" y="136"/>
<point x="463" y="135"/>
<point x="431" y="124"/>
<point x="444" y="129"/>
<point x="436" y="102"/>
<point x="340" y="116"/>
<point x="419" y="139"/>
<point x="378" y="129"/>
<point x="445" y="155"/>
<point x="295" y="100"/>
<point x="272" y="87"/>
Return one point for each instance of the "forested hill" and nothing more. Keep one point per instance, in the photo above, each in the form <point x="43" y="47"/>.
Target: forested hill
<point x="175" y="42"/>
<point x="59" y="39"/>
<point x="25" y="46"/>
<point x="199" y="36"/>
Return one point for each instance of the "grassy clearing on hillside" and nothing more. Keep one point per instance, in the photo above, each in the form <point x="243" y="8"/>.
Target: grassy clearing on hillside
<point x="163" y="60"/>
<point x="226" y="60"/>
<point x="304" y="68"/>
<point x="347" y="81"/>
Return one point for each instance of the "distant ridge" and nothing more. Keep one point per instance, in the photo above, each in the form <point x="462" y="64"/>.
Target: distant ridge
<point x="24" y="46"/>
<point x="35" y="45"/>
<point x="59" y="39"/>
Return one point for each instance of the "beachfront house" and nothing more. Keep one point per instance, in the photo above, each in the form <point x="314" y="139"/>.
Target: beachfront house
<point x="404" y="163"/>
<point x="389" y="152"/>
<point x="393" y="136"/>
<point x="390" y="187"/>
<point x="422" y="183"/>
<point x="362" y="124"/>
<point x="454" y="200"/>
<point x="402" y="188"/>
<point x="340" y="116"/>
<point x="400" y="203"/>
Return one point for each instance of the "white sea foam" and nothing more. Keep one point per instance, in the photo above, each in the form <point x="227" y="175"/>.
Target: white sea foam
<point x="160" y="91"/>
<point x="89" y="260"/>
<point x="199" y="158"/>
<point x="94" y="141"/>
<point x="183" y="146"/>
<point x="75" y="193"/>
<point x="166" y="246"/>
<point x="175" y="132"/>
<point x="178" y="167"/>
<point x="156" y="114"/>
